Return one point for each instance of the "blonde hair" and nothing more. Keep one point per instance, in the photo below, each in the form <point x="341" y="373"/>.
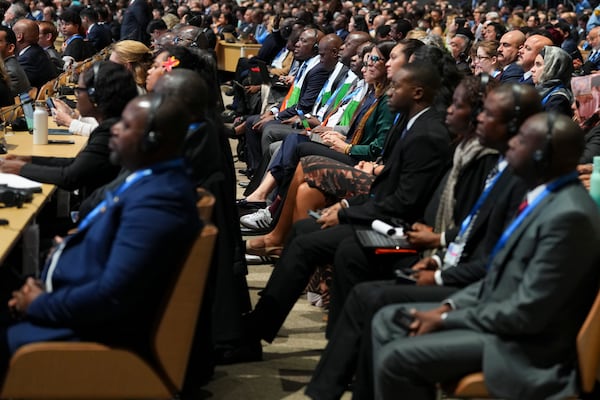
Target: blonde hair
<point x="136" y="57"/>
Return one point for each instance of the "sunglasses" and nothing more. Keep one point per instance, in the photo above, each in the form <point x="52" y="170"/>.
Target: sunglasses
<point x="375" y="59"/>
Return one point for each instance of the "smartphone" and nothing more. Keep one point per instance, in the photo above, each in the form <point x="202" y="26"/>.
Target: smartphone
<point x="403" y="278"/>
<point x="403" y="318"/>
<point x="50" y="103"/>
<point x="60" y="141"/>
<point x="314" y="214"/>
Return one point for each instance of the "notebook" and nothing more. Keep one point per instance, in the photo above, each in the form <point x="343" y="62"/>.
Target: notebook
<point x="371" y="239"/>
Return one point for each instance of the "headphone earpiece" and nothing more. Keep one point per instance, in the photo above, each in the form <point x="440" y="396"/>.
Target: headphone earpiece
<point x="542" y="157"/>
<point x="315" y="48"/>
<point x="92" y="90"/>
<point x="152" y="137"/>
<point x="513" y="124"/>
<point x="484" y="79"/>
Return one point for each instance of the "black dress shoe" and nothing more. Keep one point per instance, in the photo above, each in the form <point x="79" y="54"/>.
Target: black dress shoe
<point x="247" y="352"/>
<point x="247" y="172"/>
<point x="243" y="203"/>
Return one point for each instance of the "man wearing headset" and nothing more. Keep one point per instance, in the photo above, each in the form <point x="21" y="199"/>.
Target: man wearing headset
<point x="518" y="324"/>
<point x="106" y="281"/>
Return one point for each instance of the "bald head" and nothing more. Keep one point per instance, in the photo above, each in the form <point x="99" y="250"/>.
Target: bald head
<point x="547" y="146"/>
<point x="27" y="33"/>
<point x="353" y="40"/>
<point x="517" y="102"/>
<point x="185" y="85"/>
<point x="531" y="49"/>
<point x="508" y="50"/>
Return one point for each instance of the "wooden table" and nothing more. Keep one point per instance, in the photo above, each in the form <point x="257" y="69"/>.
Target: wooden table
<point x="228" y="54"/>
<point x="21" y="143"/>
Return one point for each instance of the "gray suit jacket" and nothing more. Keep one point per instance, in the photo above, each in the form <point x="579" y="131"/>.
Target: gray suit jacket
<point x="535" y="297"/>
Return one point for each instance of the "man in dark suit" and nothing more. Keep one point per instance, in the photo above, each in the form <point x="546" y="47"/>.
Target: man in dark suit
<point x="527" y="54"/>
<point x="341" y="357"/>
<point x="304" y="89"/>
<point x="34" y="60"/>
<point x="518" y="324"/>
<point x="135" y="19"/>
<point x="593" y="61"/>
<point x="508" y="51"/>
<point x="98" y="35"/>
<point x="19" y="83"/>
<point x="415" y="164"/>
<point x="106" y="281"/>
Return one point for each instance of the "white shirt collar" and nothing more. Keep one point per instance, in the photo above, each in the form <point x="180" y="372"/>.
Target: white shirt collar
<point x="24" y="50"/>
<point x="534" y="193"/>
<point x="414" y="118"/>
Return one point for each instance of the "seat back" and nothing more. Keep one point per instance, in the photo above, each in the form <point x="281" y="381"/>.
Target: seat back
<point x="47" y="90"/>
<point x="588" y="347"/>
<point x="206" y="203"/>
<point x="175" y="331"/>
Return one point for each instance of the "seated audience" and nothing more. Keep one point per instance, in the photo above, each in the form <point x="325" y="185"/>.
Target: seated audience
<point x="102" y="93"/>
<point x="96" y="285"/>
<point x="506" y="324"/>
<point x="479" y="233"/>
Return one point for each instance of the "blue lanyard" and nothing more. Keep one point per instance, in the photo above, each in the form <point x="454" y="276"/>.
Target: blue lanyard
<point x="73" y="38"/>
<point x="486" y="192"/>
<point x="547" y="97"/>
<point x="557" y="184"/>
<point x="111" y="197"/>
<point x="194" y="126"/>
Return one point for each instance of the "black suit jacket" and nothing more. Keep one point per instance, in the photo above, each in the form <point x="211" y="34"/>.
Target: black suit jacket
<point x="498" y="209"/>
<point x="88" y="171"/>
<point x="313" y="83"/>
<point x="37" y="65"/>
<point x="592" y="146"/>
<point x="414" y="168"/>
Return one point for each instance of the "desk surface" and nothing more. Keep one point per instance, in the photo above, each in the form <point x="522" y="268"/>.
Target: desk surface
<point x="21" y="143"/>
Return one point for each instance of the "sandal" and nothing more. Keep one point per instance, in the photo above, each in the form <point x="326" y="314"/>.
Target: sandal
<point x="265" y="251"/>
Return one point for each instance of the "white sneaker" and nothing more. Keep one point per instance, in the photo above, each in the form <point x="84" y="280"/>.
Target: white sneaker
<point x="259" y="220"/>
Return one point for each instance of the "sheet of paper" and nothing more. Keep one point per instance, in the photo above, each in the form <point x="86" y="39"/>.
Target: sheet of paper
<point x="18" y="182"/>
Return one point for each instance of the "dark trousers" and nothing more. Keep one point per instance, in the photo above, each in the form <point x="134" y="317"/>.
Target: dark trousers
<point x="253" y="141"/>
<point x="351" y="336"/>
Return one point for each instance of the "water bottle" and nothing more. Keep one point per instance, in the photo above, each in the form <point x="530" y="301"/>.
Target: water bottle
<point x="595" y="181"/>
<point x="40" y="124"/>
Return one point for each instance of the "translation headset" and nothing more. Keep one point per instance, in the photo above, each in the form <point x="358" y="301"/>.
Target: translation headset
<point x="484" y="79"/>
<point x="513" y="124"/>
<point x="315" y="48"/>
<point x="542" y="157"/>
<point x="194" y="42"/>
<point x="152" y="136"/>
<point x="91" y="91"/>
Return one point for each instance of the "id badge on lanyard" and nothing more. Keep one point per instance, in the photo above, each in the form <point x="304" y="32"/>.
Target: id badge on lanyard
<point x="453" y="254"/>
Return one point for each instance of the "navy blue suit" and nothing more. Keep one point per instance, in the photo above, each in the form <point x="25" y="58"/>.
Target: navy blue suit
<point x="99" y="36"/>
<point x="37" y="65"/>
<point x="511" y="74"/>
<point x="112" y="275"/>
<point x="135" y="19"/>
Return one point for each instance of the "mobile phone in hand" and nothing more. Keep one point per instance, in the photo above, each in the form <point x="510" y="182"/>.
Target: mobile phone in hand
<point x="403" y="318"/>
<point x="314" y="214"/>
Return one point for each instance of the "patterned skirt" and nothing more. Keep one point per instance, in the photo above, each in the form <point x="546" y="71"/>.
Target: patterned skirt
<point x="335" y="179"/>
